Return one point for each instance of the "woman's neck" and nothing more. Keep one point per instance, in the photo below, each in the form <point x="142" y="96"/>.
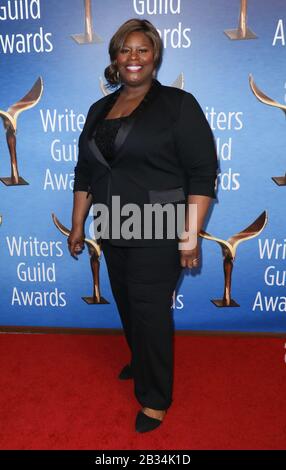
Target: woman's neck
<point x="132" y="92"/>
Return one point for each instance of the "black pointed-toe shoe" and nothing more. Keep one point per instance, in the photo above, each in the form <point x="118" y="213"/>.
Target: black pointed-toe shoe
<point x="126" y="373"/>
<point x="145" y="423"/>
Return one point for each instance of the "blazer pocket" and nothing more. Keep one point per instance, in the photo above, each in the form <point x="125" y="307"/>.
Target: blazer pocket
<point x="166" y="195"/>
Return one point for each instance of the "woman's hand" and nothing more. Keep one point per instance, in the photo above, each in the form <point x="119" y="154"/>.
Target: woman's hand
<point x="190" y="258"/>
<point x="197" y="209"/>
<point x="76" y="241"/>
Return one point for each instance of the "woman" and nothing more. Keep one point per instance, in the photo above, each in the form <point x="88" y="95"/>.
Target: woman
<point x="147" y="144"/>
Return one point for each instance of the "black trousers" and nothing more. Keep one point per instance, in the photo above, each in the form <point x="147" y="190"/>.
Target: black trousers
<point x="143" y="280"/>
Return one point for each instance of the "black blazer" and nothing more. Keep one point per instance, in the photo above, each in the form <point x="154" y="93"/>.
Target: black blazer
<point x="163" y="152"/>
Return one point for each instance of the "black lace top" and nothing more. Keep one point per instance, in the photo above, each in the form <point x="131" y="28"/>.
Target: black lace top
<point x="106" y="131"/>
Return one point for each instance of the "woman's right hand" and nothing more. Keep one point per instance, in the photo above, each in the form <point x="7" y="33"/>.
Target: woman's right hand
<point x="76" y="241"/>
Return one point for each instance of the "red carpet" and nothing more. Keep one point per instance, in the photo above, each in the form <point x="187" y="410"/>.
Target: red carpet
<point x="62" y="392"/>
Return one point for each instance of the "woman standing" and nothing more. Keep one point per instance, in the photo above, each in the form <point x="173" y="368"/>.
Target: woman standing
<point x="146" y="144"/>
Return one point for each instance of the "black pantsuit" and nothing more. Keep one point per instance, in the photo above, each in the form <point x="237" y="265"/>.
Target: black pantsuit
<point x="161" y="153"/>
<point x="143" y="280"/>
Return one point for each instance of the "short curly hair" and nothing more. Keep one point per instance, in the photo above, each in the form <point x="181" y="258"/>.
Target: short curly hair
<point x="117" y="41"/>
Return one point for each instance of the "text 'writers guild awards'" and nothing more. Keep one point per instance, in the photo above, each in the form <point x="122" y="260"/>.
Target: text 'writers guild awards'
<point x="229" y="251"/>
<point x="10" y="118"/>
<point x="280" y="180"/>
<point x="242" y="32"/>
<point x="94" y="253"/>
<point x="89" y="36"/>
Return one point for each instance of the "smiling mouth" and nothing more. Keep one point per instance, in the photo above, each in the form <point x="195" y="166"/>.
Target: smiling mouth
<point x="134" y="68"/>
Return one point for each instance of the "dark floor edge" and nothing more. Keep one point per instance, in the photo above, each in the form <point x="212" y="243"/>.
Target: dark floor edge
<point x="118" y="331"/>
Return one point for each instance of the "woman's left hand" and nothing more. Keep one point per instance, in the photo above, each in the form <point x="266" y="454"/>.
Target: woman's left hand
<point x="190" y="258"/>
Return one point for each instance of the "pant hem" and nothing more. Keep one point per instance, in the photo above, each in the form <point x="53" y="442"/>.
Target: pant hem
<point x="154" y="406"/>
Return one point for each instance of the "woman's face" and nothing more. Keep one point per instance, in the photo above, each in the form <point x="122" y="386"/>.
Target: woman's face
<point x="135" y="60"/>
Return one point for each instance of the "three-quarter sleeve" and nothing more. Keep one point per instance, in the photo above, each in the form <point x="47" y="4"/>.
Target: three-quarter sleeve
<point x="82" y="171"/>
<point x="196" y="148"/>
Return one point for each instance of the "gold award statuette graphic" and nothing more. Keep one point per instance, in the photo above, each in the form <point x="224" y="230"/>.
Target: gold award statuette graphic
<point x="178" y="83"/>
<point x="10" y="118"/>
<point x="280" y="180"/>
<point x="89" y="36"/>
<point x="229" y="248"/>
<point x="242" y="32"/>
<point x="94" y="253"/>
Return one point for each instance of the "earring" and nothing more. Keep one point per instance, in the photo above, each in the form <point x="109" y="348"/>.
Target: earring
<point x="117" y="76"/>
<point x="154" y="73"/>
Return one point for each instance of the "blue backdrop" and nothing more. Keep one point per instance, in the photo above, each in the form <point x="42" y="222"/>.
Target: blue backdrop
<point x="35" y="40"/>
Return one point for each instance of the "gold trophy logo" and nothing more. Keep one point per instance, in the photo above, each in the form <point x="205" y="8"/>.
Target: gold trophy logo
<point x="229" y="248"/>
<point x="178" y="83"/>
<point x="10" y="118"/>
<point x="94" y="253"/>
<point x="89" y="36"/>
<point x="242" y="32"/>
<point x="280" y="180"/>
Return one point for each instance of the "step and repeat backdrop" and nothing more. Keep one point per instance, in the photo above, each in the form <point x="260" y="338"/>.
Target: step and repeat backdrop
<point x="230" y="55"/>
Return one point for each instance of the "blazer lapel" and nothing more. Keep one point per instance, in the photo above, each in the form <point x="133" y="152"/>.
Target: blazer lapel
<point x="122" y="133"/>
<point x="126" y="125"/>
<point x="91" y="126"/>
